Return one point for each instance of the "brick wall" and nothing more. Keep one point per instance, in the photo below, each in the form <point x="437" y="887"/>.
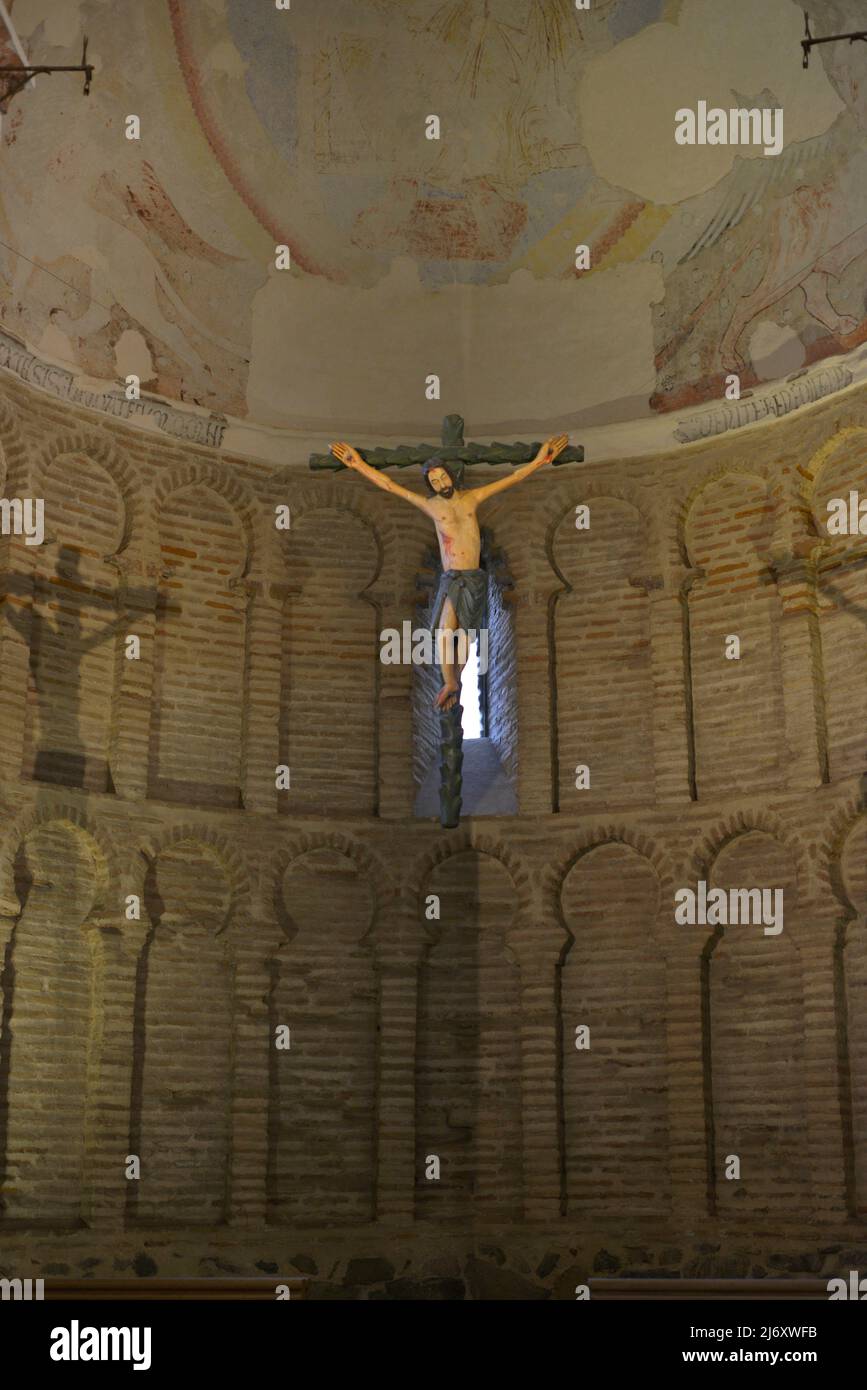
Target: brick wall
<point x="74" y="639"/>
<point x="322" y="1099"/>
<point x="613" y="983"/>
<point x="183" y="1042"/>
<point x="45" y="1047"/>
<point x="413" y="1034"/>
<point x="468" y="1111"/>
<point x="329" y="677"/>
<point x="600" y="658"/>
<point x="198" y="704"/>
<point x="843" y="593"/>
<point x="737" y="701"/>
<point x="755" y="999"/>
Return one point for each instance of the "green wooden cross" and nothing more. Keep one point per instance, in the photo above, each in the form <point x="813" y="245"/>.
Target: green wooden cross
<point x="451" y="450"/>
<point x="458" y="454"/>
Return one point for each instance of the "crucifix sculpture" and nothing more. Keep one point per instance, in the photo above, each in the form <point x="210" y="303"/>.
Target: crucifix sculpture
<point x="459" y="606"/>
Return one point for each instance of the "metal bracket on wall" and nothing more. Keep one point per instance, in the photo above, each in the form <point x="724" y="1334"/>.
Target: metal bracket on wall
<point x="13" y="79"/>
<point x="809" y="42"/>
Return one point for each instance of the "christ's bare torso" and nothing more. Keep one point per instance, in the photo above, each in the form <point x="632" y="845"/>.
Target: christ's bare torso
<point x="457" y="530"/>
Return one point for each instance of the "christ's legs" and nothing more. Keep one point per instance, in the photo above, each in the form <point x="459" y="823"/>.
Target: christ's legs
<point x="449" y="648"/>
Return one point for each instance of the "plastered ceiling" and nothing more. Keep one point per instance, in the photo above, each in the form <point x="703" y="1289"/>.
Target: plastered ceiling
<point x="456" y="257"/>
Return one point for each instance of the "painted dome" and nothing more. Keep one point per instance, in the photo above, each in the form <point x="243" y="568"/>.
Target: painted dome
<point x="307" y="128"/>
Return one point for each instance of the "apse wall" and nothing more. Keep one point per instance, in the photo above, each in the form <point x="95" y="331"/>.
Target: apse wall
<point x="433" y="984"/>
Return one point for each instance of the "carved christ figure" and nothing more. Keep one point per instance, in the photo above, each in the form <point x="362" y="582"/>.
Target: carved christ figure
<point x="459" y="605"/>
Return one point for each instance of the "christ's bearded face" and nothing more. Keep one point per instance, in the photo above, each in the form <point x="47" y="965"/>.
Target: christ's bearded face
<point x="440" y="482"/>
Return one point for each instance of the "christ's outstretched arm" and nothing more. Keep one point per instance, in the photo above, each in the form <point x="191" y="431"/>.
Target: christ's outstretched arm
<point x="352" y="459"/>
<point x="548" y="452"/>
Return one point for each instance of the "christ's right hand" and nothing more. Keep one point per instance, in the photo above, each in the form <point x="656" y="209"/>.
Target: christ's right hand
<point x="351" y="458"/>
<point x="348" y="456"/>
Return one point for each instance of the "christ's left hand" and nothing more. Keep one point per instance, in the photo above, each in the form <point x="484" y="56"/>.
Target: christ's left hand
<point x="551" y="448"/>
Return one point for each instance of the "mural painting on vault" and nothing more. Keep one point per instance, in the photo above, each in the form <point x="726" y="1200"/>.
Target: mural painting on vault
<point x="720" y="261"/>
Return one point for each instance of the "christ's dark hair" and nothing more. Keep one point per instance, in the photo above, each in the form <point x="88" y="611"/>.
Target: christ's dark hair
<point x="438" y="463"/>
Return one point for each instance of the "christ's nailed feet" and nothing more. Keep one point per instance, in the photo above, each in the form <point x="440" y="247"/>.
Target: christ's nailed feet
<point x="447" y="697"/>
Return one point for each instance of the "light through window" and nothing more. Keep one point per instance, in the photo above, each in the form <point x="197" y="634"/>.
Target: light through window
<point x="471" y="723"/>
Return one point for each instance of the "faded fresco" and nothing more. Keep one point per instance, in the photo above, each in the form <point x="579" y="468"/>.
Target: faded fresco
<point x="305" y="128"/>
